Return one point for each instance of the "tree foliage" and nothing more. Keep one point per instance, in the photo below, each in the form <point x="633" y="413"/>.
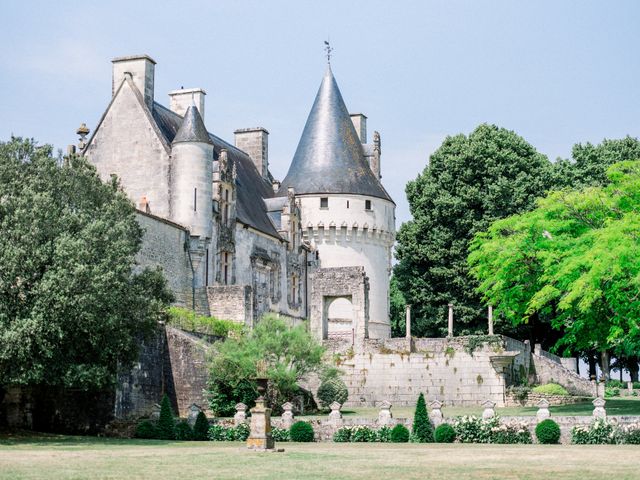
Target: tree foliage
<point x="576" y="257"/>
<point x="470" y="182"/>
<point x="290" y="353"/>
<point x="166" y="429"/>
<point x="71" y="305"/>
<point x="422" y="431"/>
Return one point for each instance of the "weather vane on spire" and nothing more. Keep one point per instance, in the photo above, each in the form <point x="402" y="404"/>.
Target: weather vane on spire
<point x="328" y="49"/>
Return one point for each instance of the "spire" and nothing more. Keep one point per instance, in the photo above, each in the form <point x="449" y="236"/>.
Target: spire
<point x="329" y="157"/>
<point x="192" y="128"/>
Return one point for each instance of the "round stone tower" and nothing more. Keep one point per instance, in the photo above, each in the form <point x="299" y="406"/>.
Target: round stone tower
<point x="191" y="176"/>
<point x="345" y="211"/>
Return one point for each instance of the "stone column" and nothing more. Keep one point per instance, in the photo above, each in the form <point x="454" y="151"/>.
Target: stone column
<point x="260" y="437"/>
<point x="287" y="415"/>
<point x="489" y="409"/>
<point x="407" y="317"/>
<point x="537" y="349"/>
<point x="450" y="320"/>
<point x="599" y="411"/>
<point x="241" y="414"/>
<point x="630" y="387"/>
<point x="436" y="412"/>
<point x="543" y="410"/>
<point x="335" y="417"/>
<point x="490" y="319"/>
<point x="385" y="415"/>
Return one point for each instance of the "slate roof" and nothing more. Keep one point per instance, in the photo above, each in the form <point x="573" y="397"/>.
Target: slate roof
<point x="330" y="157"/>
<point x="251" y="187"/>
<point x="192" y="128"/>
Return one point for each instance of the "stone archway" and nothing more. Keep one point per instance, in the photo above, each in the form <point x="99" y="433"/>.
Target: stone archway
<point x="339" y="316"/>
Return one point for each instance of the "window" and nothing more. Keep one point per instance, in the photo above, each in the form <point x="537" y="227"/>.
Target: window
<point x="324" y="202"/>
<point x="225" y="219"/>
<point x="225" y="268"/>
<point x="294" y="288"/>
<point x="367" y="204"/>
<point x="347" y="203"/>
<point x="195" y="199"/>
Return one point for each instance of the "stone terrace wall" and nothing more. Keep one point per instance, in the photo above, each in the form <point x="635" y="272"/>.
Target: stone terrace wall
<point x="441" y="368"/>
<point x="549" y="371"/>
<point x="231" y="302"/>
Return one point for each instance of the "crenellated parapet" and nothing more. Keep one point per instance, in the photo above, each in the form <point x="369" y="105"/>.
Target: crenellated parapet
<point x="320" y="232"/>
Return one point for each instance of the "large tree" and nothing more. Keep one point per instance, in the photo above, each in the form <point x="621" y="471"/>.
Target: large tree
<point x="470" y="181"/>
<point x="72" y="306"/>
<point x="576" y="259"/>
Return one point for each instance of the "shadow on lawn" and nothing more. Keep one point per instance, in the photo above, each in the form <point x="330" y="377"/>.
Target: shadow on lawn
<point x="27" y="437"/>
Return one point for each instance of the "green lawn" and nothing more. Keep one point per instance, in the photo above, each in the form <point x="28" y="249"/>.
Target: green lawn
<point x="56" y="458"/>
<point x="614" y="406"/>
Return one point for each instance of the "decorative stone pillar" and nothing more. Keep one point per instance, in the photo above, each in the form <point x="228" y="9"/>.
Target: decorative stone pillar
<point x="490" y="319"/>
<point x="537" y="349"/>
<point x="450" y="334"/>
<point x="192" y="414"/>
<point x="594" y="387"/>
<point x="436" y="412"/>
<point x="407" y="319"/>
<point x="241" y="414"/>
<point x="599" y="411"/>
<point x="260" y="437"/>
<point x="385" y="415"/>
<point x="489" y="409"/>
<point x="287" y="415"/>
<point x="335" y="417"/>
<point x="543" y="410"/>
<point x="630" y="387"/>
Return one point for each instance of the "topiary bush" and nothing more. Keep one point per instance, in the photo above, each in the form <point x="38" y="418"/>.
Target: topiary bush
<point x="422" y="428"/>
<point x="146" y="429"/>
<point x="183" y="431"/>
<point x="399" y="434"/>
<point x="301" y="432"/>
<point x="166" y="423"/>
<point x="548" y="432"/>
<point x="332" y="390"/>
<point x="201" y="427"/>
<point x="550" y="389"/>
<point x="445" y="433"/>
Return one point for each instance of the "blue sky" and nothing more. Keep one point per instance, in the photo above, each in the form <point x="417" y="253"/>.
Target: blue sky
<point x="556" y="72"/>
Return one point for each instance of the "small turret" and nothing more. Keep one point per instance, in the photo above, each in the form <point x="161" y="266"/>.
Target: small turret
<point x="191" y="175"/>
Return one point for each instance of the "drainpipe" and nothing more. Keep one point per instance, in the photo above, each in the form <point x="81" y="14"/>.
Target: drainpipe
<point x="187" y="247"/>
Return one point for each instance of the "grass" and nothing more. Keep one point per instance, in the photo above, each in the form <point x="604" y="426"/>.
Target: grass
<point x="58" y="457"/>
<point x="614" y="406"/>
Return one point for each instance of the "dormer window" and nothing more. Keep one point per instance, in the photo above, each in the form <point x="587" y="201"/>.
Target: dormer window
<point x="367" y="205"/>
<point x="324" y="202"/>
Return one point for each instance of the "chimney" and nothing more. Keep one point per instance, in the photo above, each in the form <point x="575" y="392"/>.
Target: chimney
<point x="180" y="100"/>
<point x="141" y="68"/>
<point x="255" y="143"/>
<point x="360" y="123"/>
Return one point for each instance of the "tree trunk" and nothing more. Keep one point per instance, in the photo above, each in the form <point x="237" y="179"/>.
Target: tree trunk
<point x="633" y="368"/>
<point x="592" y="365"/>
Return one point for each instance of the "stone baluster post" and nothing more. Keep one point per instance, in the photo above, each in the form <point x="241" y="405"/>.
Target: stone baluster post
<point x="436" y="412"/>
<point x="450" y="320"/>
<point x="543" y="410"/>
<point x="630" y="387"/>
<point x="335" y="417"/>
<point x="408" y="322"/>
<point x="490" y="319"/>
<point x="241" y="414"/>
<point x="287" y="415"/>
<point x="385" y="415"/>
<point x="599" y="411"/>
<point x="192" y="415"/>
<point x="489" y="409"/>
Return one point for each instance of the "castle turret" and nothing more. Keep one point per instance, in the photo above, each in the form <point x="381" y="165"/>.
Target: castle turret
<point x="345" y="211"/>
<point x="191" y="175"/>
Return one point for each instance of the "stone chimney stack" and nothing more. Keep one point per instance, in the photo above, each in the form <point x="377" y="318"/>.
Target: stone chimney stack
<point x="180" y="100"/>
<point x="360" y="123"/>
<point x="142" y="71"/>
<point x="255" y="143"/>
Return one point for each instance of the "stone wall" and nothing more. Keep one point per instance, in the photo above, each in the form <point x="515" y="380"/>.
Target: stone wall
<point x="549" y="371"/>
<point x="532" y="400"/>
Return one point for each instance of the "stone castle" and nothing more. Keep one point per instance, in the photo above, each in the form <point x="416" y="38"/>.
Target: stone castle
<point x="234" y="242"/>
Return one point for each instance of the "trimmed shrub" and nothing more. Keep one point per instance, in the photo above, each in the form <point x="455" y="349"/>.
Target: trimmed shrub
<point x="220" y="433"/>
<point x="399" y="434"/>
<point x="422" y="431"/>
<point x="241" y="432"/>
<point x="280" y="434"/>
<point x="146" y="429"/>
<point x="629" y="434"/>
<point x="166" y="423"/>
<point x="201" y="427"/>
<point x="472" y="429"/>
<point x="384" y="435"/>
<point x="332" y="390"/>
<point x="445" y="433"/>
<point x="510" y="433"/>
<point x="550" y="389"/>
<point x="183" y="431"/>
<point x="362" y="433"/>
<point x="301" y="432"/>
<point x="548" y="431"/>
<point x="342" y="435"/>
<point x="598" y="433"/>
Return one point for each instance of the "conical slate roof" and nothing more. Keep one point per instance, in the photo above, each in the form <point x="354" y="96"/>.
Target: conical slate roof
<point x="329" y="157"/>
<point x="192" y="128"/>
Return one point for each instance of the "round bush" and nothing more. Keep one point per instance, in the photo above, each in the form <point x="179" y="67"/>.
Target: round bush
<point x="183" y="431"/>
<point x="146" y="429"/>
<point x="400" y="434"/>
<point x="332" y="390"/>
<point x="301" y="432"/>
<point x="445" y="433"/>
<point x="548" y="431"/>
<point x="550" y="389"/>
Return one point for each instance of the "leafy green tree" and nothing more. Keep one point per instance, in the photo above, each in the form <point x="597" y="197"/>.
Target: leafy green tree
<point x="166" y="429"/>
<point x="290" y="353"/>
<point x="576" y="258"/>
<point x="470" y="181"/>
<point x="422" y="431"/>
<point x="397" y="309"/>
<point x="72" y="305"/>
